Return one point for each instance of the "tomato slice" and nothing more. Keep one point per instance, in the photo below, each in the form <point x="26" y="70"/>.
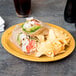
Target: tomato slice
<point x="31" y="46"/>
<point x="36" y="23"/>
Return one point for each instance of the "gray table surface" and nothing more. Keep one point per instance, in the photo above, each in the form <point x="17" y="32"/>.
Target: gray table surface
<point x="48" y="11"/>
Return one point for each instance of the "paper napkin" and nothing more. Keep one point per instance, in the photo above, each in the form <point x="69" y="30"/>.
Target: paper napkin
<point x="2" y="22"/>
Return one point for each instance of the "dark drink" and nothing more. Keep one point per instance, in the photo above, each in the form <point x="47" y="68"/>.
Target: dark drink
<point x="70" y="11"/>
<point x="22" y="7"/>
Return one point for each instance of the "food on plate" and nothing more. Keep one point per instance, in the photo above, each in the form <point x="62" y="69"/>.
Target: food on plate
<point x="37" y="38"/>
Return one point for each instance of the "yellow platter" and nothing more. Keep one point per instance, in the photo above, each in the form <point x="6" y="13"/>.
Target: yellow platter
<point x="12" y="49"/>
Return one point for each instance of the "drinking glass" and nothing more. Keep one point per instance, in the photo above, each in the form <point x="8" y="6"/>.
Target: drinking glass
<point x="70" y="11"/>
<point x="23" y="7"/>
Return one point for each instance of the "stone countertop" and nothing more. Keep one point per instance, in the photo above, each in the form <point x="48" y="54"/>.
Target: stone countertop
<point x="48" y="11"/>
